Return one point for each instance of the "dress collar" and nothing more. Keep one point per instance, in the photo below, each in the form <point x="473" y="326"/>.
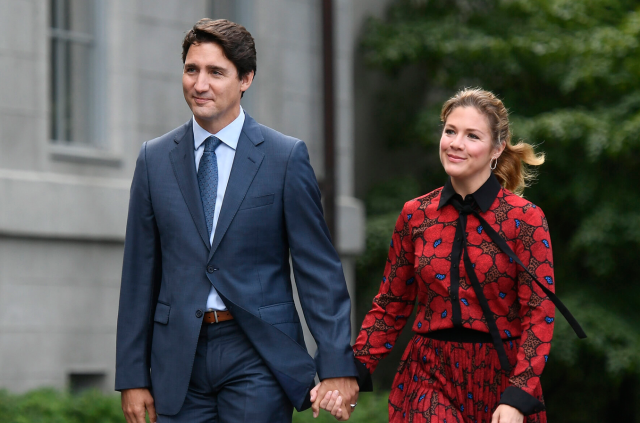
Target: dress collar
<point x="483" y="197"/>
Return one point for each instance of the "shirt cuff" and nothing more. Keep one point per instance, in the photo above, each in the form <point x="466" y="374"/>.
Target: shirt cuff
<point x="364" y="377"/>
<point x="525" y="403"/>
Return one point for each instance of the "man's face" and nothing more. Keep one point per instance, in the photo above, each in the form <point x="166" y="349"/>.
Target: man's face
<point x="211" y="86"/>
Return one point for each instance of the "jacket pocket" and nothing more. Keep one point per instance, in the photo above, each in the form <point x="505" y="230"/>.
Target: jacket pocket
<point x="253" y="202"/>
<point x="162" y="313"/>
<point x="279" y="313"/>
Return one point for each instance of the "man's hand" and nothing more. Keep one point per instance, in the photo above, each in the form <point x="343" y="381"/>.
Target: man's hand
<point x="134" y="404"/>
<point x="507" y="414"/>
<point x="336" y="396"/>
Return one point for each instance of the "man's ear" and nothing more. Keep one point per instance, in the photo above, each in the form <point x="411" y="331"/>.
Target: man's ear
<point x="246" y="80"/>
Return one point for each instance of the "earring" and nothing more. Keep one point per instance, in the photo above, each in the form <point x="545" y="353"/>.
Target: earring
<point x="492" y="164"/>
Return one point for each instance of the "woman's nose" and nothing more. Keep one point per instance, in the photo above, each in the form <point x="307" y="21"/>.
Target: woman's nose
<point x="456" y="142"/>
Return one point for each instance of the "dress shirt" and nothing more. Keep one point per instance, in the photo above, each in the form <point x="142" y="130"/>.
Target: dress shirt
<point x="225" y="153"/>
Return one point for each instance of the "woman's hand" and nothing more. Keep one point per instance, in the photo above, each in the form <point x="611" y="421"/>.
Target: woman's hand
<point x="507" y="414"/>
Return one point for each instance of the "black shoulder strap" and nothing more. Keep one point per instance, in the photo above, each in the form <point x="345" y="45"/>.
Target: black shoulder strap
<point x="495" y="237"/>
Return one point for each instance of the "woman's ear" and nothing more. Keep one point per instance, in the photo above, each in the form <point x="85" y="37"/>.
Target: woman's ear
<point x="499" y="149"/>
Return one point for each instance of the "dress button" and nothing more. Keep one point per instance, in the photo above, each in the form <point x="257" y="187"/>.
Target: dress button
<point x="199" y="314"/>
<point x="454" y="297"/>
<point x="455" y="265"/>
<point x="210" y="269"/>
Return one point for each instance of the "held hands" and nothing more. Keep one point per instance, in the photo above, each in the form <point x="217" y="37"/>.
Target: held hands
<point x="336" y="396"/>
<point x="135" y="402"/>
<point x="506" y="414"/>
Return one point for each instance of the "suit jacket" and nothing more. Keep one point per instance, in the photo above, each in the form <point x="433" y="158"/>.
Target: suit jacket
<point x="271" y="210"/>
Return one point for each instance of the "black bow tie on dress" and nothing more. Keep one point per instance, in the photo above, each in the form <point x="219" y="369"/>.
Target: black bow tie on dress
<point x="466" y="208"/>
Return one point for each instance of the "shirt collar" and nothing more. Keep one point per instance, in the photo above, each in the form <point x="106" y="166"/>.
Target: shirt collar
<point x="229" y="135"/>
<point x="483" y="197"/>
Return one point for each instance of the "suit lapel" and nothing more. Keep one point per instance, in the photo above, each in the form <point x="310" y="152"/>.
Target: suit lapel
<point x="184" y="167"/>
<point x="246" y="163"/>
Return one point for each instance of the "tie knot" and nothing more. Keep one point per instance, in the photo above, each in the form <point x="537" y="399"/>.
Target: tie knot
<point x="211" y="143"/>
<point x="465" y="208"/>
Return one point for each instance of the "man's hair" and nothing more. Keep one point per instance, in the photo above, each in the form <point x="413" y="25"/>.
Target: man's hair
<point x="234" y="39"/>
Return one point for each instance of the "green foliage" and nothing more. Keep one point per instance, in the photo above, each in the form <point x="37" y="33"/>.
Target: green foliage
<point x="569" y="70"/>
<point x="384" y="203"/>
<point x="51" y="406"/>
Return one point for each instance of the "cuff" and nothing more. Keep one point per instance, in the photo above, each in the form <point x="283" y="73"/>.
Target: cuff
<point x="335" y="363"/>
<point x="517" y="398"/>
<point x="364" y="377"/>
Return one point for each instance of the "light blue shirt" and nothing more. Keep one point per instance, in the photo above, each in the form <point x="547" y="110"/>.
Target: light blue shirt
<point x="225" y="153"/>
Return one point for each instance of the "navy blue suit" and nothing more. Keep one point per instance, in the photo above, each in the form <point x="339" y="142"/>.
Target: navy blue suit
<point x="271" y="209"/>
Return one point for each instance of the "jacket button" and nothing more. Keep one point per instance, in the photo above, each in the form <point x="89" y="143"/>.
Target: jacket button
<point x="199" y="314"/>
<point x="210" y="269"/>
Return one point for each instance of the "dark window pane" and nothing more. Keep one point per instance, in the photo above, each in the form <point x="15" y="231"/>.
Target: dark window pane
<point x="71" y="62"/>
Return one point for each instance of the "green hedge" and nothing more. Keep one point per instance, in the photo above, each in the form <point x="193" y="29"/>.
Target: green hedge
<point x="52" y="406"/>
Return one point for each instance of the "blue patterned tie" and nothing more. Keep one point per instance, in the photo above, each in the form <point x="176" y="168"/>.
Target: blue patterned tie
<point x="208" y="179"/>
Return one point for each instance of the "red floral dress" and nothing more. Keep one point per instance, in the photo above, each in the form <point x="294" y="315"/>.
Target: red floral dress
<point x="453" y="380"/>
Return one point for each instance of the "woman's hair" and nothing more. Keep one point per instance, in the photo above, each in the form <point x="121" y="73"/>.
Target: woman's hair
<point x="511" y="170"/>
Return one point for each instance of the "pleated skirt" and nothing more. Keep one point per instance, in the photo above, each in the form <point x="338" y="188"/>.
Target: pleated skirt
<point x="451" y="382"/>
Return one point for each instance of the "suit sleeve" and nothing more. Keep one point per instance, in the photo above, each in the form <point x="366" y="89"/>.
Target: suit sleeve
<point x="141" y="272"/>
<point x="537" y="313"/>
<point x="317" y="269"/>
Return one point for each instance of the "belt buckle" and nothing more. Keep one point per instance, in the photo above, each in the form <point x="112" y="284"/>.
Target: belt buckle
<point x="215" y="314"/>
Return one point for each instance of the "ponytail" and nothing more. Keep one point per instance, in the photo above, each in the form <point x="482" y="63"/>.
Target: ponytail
<point x="513" y="171"/>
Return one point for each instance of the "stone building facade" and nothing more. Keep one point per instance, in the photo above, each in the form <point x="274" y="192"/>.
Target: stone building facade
<point x="82" y="84"/>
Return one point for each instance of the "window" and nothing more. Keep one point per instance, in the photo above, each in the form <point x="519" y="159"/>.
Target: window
<point x="76" y="82"/>
<point x="79" y="382"/>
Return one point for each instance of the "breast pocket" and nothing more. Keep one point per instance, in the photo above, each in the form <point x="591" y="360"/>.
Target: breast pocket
<point x="253" y="202"/>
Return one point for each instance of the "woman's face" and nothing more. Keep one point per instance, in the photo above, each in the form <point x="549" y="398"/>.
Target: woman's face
<point x="466" y="147"/>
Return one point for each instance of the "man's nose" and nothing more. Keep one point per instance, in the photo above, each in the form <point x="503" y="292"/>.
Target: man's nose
<point x="202" y="84"/>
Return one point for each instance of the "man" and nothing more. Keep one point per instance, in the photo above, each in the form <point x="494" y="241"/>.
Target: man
<point x="207" y="327"/>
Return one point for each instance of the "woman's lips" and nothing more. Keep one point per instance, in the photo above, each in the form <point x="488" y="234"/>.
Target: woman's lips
<point x="455" y="159"/>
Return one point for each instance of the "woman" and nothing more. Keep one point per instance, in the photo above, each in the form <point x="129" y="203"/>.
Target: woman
<point x="477" y="257"/>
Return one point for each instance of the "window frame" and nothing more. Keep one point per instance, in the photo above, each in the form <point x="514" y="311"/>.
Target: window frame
<point x="58" y="76"/>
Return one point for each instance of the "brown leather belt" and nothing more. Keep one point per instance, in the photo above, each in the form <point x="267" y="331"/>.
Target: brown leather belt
<point x="215" y="316"/>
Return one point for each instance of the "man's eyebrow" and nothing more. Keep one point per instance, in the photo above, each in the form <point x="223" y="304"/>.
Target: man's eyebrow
<point x="215" y="68"/>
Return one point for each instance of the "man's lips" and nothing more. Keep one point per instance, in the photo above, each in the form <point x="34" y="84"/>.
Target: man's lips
<point x="201" y="100"/>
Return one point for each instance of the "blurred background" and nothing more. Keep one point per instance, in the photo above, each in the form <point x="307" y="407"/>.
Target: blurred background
<point x="84" y="82"/>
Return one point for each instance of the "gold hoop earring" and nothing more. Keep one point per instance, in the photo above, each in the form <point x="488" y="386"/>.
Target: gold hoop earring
<point x="493" y="165"/>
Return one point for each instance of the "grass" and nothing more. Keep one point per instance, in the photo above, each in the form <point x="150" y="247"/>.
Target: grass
<point x="52" y="406"/>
